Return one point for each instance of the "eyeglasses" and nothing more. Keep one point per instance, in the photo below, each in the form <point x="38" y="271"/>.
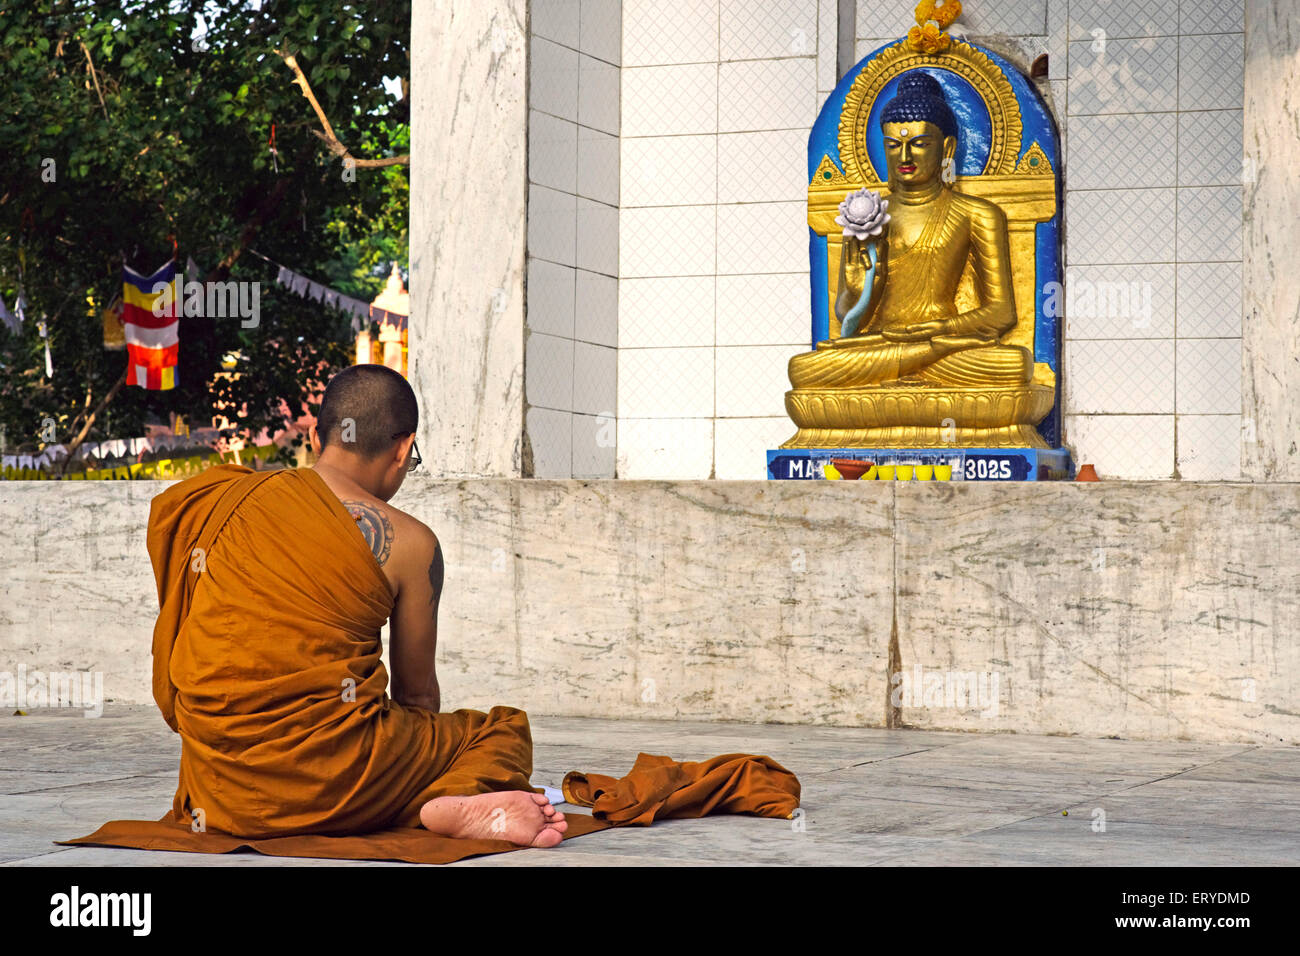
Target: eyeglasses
<point x="415" y="452"/>
<point x="415" y="456"/>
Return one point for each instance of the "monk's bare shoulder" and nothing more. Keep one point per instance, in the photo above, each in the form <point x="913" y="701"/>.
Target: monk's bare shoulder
<point x="405" y="546"/>
<point x="421" y="554"/>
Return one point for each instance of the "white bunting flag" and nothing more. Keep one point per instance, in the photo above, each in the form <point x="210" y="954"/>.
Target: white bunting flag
<point x="8" y="318"/>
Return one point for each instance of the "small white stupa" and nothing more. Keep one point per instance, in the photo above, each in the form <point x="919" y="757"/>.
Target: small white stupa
<point x="396" y="302"/>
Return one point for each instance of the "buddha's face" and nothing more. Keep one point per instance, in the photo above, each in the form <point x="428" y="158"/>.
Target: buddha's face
<point x="914" y="152"/>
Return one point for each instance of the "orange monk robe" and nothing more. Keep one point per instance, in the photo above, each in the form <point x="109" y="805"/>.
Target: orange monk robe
<point x="267" y="662"/>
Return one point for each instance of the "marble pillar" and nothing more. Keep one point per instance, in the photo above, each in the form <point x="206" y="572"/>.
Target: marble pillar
<point x="1271" y="210"/>
<point x="468" y="211"/>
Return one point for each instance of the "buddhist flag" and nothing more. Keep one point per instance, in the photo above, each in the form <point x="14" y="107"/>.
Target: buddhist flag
<point x="151" y="340"/>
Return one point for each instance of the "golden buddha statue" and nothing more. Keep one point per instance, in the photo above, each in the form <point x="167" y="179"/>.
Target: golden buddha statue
<point x="911" y="368"/>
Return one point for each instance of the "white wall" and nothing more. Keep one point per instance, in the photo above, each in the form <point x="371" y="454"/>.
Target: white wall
<point x="718" y="99"/>
<point x="573" y="174"/>
<point x="468" y="194"/>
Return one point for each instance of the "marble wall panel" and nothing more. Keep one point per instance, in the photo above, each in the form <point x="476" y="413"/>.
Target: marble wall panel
<point x="664" y="599"/>
<point x="1117" y="609"/>
<point x="467" y="235"/>
<point x="1106" y="610"/>
<point x="76" y="587"/>
<point x="1271" y="213"/>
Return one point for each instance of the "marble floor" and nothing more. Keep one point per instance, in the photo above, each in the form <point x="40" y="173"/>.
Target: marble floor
<point x="870" y="797"/>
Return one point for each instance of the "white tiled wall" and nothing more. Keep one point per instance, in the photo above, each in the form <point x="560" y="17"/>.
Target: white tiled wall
<point x="1154" y="178"/>
<point x="718" y="100"/>
<point x="570" y="360"/>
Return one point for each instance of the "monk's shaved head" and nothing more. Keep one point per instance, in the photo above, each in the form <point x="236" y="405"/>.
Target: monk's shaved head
<point x="364" y="407"/>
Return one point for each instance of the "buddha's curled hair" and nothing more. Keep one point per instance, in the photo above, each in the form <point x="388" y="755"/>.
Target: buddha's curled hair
<point x="920" y="99"/>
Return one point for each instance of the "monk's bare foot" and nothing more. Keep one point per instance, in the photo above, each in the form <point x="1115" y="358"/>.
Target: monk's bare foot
<point x="519" y="816"/>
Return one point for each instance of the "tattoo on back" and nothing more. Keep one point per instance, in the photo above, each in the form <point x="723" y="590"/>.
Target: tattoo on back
<point x="435" y="573"/>
<point x="375" y="527"/>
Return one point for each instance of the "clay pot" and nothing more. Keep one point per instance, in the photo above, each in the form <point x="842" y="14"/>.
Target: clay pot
<point x="1086" y="473"/>
<point x="851" y="469"/>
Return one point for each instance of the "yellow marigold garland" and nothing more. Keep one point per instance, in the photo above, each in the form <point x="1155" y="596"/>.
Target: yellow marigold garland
<point x="928" y="36"/>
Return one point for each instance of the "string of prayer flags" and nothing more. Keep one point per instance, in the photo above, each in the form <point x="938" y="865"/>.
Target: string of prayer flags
<point x="48" y="457"/>
<point x="109" y="448"/>
<point x="151" y="340"/>
<point x="303" y="286"/>
<point x="355" y="307"/>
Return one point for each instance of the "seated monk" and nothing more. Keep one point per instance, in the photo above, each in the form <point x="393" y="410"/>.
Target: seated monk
<point x="273" y="587"/>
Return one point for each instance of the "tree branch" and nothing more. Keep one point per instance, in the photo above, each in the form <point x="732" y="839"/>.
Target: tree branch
<point x="85" y="429"/>
<point x="91" y="64"/>
<point x="85" y="409"/>
<point x="328" y="137"/>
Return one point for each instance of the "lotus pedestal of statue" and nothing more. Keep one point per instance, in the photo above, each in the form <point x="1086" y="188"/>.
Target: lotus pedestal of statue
<point x="905" y="416"/>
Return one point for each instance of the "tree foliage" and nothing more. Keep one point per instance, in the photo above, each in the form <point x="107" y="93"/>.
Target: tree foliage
<point x="156" y="118"/>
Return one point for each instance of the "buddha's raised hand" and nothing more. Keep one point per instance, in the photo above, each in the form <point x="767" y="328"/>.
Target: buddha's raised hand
<point x="853" y="267"/>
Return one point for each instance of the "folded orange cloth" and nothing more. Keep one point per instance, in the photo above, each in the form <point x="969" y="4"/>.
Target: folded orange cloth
<point x="660" y="787"/>
<point x="267" y="663"/>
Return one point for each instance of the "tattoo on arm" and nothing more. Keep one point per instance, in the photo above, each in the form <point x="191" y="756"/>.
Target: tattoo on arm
<point x="375" y="527"/>
<point x="435" y="574"/>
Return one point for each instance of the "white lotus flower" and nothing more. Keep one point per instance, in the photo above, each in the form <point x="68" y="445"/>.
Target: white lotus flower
<point x="863" y="214"/>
